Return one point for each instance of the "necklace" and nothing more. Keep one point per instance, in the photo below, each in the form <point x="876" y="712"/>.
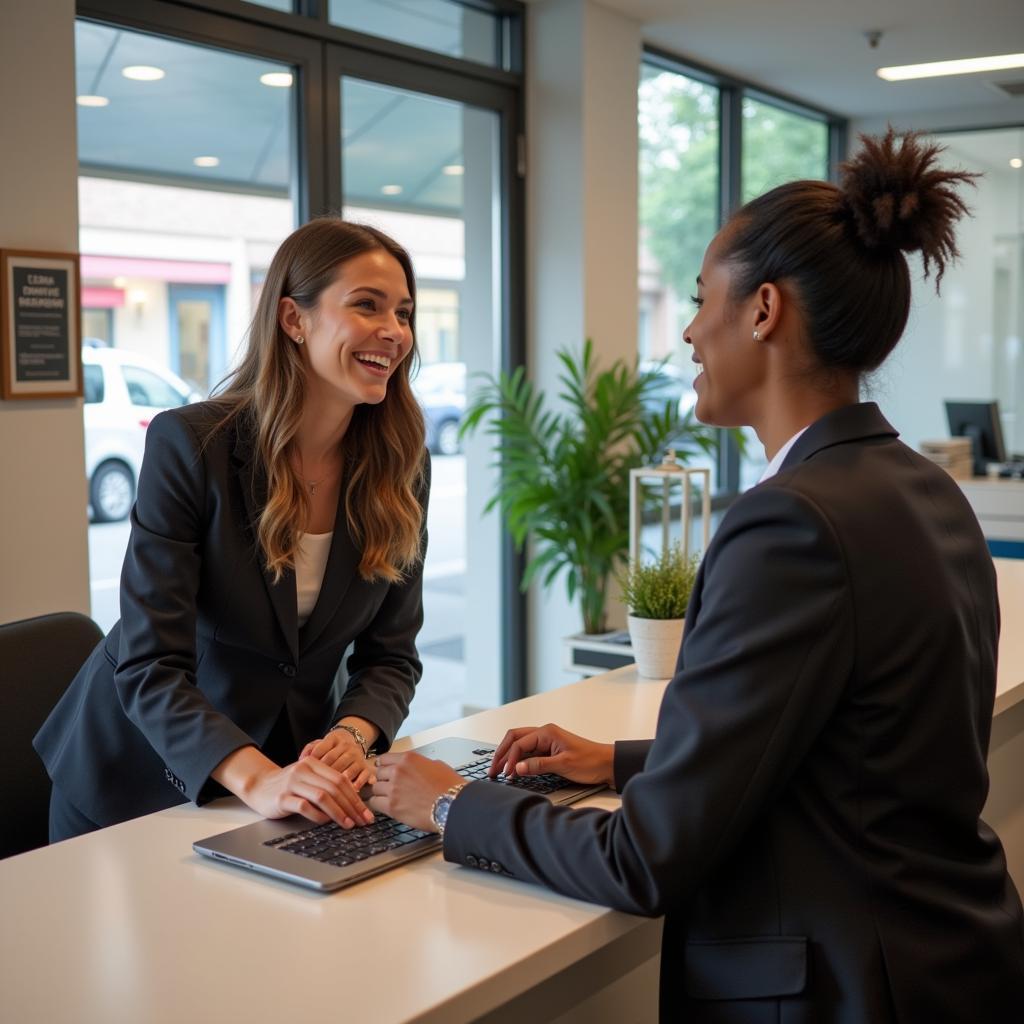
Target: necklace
<point x="314" y="484"/>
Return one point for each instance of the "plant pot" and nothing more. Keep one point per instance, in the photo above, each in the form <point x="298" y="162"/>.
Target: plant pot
<point x="656" y="645"/>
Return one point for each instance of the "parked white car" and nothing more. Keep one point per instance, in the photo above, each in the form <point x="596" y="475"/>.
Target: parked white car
<point x="123" y="392"/>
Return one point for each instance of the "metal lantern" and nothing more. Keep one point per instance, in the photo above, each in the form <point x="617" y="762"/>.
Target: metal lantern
<point x="670" y="471"/>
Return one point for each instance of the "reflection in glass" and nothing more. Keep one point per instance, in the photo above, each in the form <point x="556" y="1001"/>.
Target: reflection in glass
<point x="780" y="145"/>
<point x="439" y="25"/>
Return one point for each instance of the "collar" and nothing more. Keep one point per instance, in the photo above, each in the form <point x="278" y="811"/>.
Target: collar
<point x="856" y="422"/>
<point x="780" y="456"/>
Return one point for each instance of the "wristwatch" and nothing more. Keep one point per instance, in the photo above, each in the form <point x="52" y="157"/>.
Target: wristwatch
<point x="355" y="734"/>
<point x="442" y="805"/>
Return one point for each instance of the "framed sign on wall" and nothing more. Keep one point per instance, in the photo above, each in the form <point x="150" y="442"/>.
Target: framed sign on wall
<point x="40" y="348"/>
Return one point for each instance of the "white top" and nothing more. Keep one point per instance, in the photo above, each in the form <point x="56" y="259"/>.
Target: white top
<point x="310" y="563"/>
<point x="776" y="464"/>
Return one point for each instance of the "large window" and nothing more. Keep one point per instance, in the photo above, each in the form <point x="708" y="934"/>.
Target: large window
<point x="707" y="145"/>
<point x="207" y="132"/>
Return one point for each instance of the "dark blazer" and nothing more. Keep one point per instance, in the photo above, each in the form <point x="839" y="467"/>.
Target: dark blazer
<point x="208" y="655"/>
<point x="807" y="816"/>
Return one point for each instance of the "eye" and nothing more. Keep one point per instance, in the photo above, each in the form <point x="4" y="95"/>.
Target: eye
<point x="366" y="303"/>
<point x="405" y="315"/>
<point x="697" y="301"/>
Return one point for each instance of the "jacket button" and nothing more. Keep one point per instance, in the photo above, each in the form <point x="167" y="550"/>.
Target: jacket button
<point x="496" y="867"/>
<point x="288" y="670"/>
<point x="471" y="860"/>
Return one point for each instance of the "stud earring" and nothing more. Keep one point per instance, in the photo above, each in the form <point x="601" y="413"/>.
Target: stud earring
<point x="757" y="335"/>
<point x="299" y="339"/>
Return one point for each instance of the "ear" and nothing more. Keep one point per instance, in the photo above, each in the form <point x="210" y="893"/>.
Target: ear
<point x="290" y="317"/>
<point x="767" y="307"/>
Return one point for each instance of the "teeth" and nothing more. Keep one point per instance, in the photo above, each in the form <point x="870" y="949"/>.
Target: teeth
<point x="366" y="357"/>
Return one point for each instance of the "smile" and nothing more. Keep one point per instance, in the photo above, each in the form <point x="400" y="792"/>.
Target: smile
<point x="377" y="364"/>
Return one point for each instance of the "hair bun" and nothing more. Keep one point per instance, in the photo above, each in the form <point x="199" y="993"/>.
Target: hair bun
<point x="899" y="198"/>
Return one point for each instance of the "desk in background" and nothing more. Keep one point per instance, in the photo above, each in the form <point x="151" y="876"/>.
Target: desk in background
<point x="999" y="506"/>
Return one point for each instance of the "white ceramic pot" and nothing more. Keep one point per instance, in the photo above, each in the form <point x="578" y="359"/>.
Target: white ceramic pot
<point x="656" y="645"/>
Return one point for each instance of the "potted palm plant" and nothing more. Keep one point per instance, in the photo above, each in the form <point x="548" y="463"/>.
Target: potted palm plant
<point x="657" y="594"/>
<point x="564" y="483"/>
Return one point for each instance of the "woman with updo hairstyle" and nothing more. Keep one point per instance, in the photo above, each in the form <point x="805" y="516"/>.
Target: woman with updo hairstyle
<point x="275" y="526"/>
<point x="807" y="817"/>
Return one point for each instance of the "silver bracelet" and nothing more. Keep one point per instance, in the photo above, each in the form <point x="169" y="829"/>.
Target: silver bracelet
<point x="354" y="733"/>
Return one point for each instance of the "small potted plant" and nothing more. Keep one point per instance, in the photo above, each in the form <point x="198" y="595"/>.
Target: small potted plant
<point x="657" y="594"/>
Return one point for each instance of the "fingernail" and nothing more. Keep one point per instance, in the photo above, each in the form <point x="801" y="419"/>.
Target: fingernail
<point x="372" y="780"/>
<point x="368" y="816"/>
<point x="521" y="767"/>
<point x="348" y="823"/>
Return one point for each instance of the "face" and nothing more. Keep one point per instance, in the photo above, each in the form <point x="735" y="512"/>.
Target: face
<point x="732" y="364"/>
<point x="360" y="331"/>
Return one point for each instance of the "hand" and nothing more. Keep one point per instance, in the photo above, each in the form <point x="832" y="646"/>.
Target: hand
<point x="310" y="788"/>
<point x="535" y="751"/>
<point x="340" y="751"/>
<point x="407" y="786"/>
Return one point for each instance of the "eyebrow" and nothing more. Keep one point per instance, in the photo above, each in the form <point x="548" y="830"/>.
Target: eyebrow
<point x="380" y="294"/>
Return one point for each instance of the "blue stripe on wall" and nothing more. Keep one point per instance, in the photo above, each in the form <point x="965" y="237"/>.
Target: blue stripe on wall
<point x="1006" y="548"/>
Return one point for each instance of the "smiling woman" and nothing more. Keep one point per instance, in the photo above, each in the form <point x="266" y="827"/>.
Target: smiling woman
<point x="276" y="525"/>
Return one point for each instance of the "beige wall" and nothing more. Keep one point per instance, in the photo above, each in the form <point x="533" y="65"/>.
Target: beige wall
<point x="43" y="531"/>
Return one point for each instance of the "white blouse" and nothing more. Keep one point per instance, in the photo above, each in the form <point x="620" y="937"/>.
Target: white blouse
<point x="310" y="563"/>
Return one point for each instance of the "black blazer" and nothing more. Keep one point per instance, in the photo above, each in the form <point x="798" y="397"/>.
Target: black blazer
<point x="807" y="816"/>
<point x="208" y="655"/>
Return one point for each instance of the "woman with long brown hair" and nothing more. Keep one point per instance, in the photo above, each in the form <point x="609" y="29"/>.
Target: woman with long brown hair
<point x="275" y="525"/>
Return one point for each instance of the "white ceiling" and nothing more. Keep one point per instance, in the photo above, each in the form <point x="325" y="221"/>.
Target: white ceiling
<point x="815" y="50"/>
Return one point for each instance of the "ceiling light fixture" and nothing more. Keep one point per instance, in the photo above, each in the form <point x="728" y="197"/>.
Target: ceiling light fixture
<point x="207" y="161"/>
<point x="277" y="79"/>
<point x="143" y="73"/>
<point x="92" y="101"/>
<point x="1016" y="163"/>
<point x="936" y="69"/>
<point x="453" y="170"/>
<point x="391" y="190"/>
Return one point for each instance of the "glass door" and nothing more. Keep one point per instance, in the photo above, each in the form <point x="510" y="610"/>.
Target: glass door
<point x="424" y="159"/>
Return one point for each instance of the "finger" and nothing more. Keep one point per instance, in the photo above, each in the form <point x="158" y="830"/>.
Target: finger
<point x="295" y="804"/>
<point x="389" y="759"/>
<point x="322" y="800"/>
<point x="307" y="749"/>
<point x="530" y="744"/>
<point x="537" y="766"/>
<point x="382" y="805"/>
<point x="340" y="788"/>
<point x="360" y="780"/>
<point x="499" y="758"/>
<point x="323" y="746"/>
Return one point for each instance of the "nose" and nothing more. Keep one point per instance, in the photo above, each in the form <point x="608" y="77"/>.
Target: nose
<point x="686" y="333"/>
<point x="391" y="328"/>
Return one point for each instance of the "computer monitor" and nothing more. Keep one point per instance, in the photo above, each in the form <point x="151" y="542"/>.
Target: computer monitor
<point x="980" y="422"/>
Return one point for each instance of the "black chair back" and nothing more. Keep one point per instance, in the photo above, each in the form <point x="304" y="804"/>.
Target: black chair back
<point x="38" y="659"/>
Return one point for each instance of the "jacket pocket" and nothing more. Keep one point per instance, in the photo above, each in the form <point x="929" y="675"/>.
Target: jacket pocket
<point x="748" y="968"/>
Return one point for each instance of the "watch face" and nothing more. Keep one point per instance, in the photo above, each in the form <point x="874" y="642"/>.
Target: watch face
<point x="443" y="806"/>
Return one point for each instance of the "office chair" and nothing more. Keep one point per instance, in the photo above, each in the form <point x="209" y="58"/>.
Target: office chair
<point x="38" y="659"/>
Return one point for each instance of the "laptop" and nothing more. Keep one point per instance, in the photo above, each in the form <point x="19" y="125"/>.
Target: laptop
<point x="328" y="857"/>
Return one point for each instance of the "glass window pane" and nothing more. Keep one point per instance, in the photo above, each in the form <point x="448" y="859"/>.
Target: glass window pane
<point x="679" y="204"/>
<point x="182" y="203"/>
<point x="276" y="5"/>
<point x="93" y="380"/>
<point x="780" y="145"/>
<point x="425" y="170"/>
<point x="439" y="25"/>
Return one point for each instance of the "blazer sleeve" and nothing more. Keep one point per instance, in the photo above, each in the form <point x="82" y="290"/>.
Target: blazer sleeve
<point x="761" y="671"/>
<point x="384" y="666"/>
<point x="156" y="671"/>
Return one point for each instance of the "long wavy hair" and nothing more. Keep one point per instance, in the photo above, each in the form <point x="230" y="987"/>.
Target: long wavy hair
<point x="384" y="443"/>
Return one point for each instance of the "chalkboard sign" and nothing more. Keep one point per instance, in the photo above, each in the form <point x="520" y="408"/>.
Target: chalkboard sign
<point x="39" y="342"/>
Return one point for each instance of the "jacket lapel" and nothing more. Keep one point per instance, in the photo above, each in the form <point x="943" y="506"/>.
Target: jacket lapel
<point x="253" y="481"/>
<point x="850" y="423"/>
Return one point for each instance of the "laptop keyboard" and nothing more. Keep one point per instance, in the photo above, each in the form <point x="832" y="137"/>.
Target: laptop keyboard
<point x="332" y="844"/>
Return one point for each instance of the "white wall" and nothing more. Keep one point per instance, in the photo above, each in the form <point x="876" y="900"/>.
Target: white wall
<point x="43" y="539"/>
<point x="584" y="63"/>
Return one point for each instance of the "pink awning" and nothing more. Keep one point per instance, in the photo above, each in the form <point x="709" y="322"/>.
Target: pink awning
<point x="171" y="271"/>
<point x="102" y="298"/>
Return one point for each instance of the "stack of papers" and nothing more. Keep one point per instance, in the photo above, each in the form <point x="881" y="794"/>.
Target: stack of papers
<point x="952" y="454"/>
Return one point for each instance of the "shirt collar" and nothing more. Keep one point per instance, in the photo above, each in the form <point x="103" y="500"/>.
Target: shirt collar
<point x="773" y="467"/>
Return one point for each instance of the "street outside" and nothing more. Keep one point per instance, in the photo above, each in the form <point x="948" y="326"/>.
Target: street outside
<point x="439" y="694"/>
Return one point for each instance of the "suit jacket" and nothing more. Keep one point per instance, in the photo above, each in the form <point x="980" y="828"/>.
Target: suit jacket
<point x="807" y="816"/>
<point x="208" y="655"/>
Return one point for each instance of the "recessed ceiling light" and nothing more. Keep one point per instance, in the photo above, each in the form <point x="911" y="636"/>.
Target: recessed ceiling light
<point x="143" y="73"/>
<point x="391" y="190"/>
<point x="1016" y="163"/>
<point x="453" y="170"/>
<point x="92" y="101"/>
<point x="277" y="79"/>
<point x="207" y="161"/>
<point x="969" y="66"/>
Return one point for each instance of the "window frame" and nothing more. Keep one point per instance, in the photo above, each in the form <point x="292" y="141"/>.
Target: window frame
<point x="731" y="93"/>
